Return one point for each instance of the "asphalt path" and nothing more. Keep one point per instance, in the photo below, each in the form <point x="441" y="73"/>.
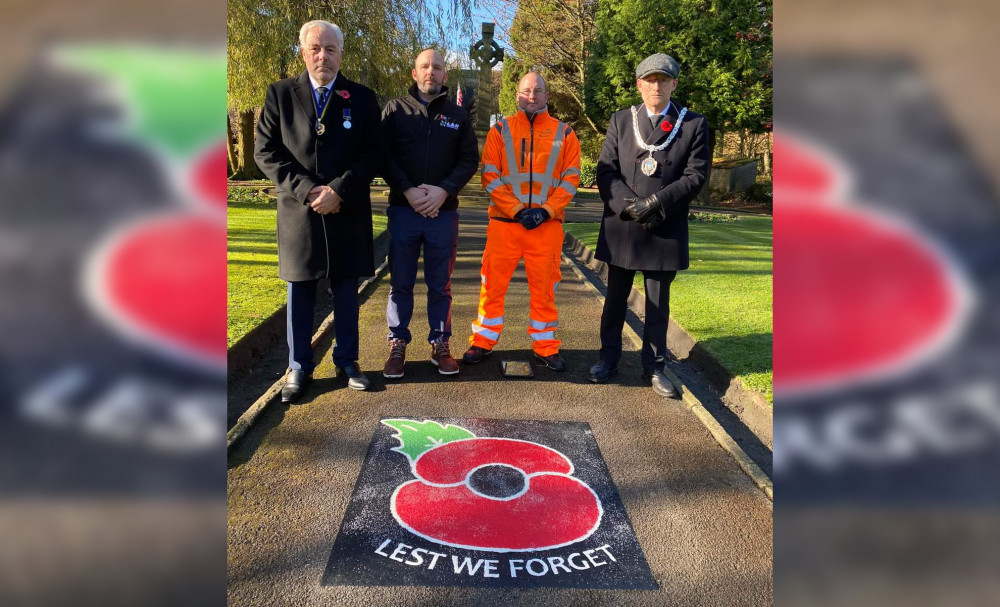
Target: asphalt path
<point x="703" y="525"/>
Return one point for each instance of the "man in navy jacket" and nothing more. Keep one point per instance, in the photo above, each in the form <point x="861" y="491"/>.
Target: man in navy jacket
<point x="431" y="153"/>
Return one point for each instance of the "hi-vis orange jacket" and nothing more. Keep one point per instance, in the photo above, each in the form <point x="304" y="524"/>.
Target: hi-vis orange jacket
<point x="529" y="163"/>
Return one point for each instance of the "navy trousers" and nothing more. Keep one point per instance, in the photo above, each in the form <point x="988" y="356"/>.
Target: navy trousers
<point x="654" y="331"/>
<point x="301" y="304"/>
<point x="439" y="237"/>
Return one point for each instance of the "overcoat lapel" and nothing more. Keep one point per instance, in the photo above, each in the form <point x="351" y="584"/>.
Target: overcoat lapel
<point x="304" y="95"/>
<point x="645" y="127"/>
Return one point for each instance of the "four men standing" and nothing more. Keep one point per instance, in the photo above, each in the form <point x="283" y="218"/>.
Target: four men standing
<point x="320" y="140"/>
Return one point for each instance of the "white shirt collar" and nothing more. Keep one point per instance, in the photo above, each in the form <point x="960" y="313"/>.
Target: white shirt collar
<point x="329" y="86"/>
<point x="649" y="114"/>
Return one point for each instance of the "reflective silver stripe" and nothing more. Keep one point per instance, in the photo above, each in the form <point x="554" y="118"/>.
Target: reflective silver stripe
<point x="514" y="178"/>
<point x="489" y="168"/>
<point x="569" y="187"/>
<point x="496" y="183"/>
<point x="485" y="332"/>
<point x="508" y="143"/>
<point x="549" y="181"/>
<point x="537" y="324"/>
<point x="570" y="171"/>
<point x="545" y="335"/>
<point x="546" y="181"/>
<point x="557" y="142"/>
<point x="482" y="278"/>
<point x="555" y="287"/>
<point x="489" y="321"/>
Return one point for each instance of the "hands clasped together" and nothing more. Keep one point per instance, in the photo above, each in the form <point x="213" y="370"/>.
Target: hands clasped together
<point x="324" y="200"/>
<point x="426" y="199"/>
<point x="646" y="211"/>
<point x="532" y="218"/>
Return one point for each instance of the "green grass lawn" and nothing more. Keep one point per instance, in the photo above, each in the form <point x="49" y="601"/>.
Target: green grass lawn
<point x="254" y="289"/>
<point x="724" y="299"/>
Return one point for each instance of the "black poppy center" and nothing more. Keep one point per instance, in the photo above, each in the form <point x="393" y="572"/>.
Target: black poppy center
<point x="497" y="481"/>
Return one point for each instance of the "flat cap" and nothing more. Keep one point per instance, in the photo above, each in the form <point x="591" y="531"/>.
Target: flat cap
<point x="658" y="64"/>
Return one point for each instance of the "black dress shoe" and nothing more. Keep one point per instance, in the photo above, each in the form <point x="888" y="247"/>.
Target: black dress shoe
<point x="552" y="361"/>
<point x="356" y="380"/>
<point x="295" y="385"/>
<point x="661" y="384"/>
<point x="475" y="354"/>
<point x="602" y="372"/>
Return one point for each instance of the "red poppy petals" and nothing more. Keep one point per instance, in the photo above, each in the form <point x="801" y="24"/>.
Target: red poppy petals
<point x="556" y="510"/>
<point x="899" y="301"/>
<point x="208" y="176"/>
<point x="666" y="127"/>
<point x="452" y="462"/>
<point x="156" y="281"/>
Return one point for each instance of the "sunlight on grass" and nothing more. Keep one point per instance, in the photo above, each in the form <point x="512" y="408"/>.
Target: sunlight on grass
<point x="724" y="299"/>
<point x="254" y="289"/>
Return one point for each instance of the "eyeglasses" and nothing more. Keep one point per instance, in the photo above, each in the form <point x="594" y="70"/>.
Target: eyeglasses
<point x="528" y="92"/>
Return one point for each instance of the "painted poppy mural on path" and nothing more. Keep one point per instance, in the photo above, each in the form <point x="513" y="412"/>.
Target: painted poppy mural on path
<point x="500" y="503"/>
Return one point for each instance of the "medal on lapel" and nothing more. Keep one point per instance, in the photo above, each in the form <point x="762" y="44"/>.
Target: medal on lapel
<point x="320" y="128"/>
<point x="347" y="118"/>
<point x="649" y="164"/>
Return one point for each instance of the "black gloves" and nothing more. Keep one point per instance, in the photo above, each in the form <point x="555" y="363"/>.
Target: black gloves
<point x="532" y="218"/>
<point x="646" y="211"/>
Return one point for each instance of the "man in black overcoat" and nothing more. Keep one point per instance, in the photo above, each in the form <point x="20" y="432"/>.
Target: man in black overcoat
<point x="654" y="162"/>
<point x="318" y="139"/>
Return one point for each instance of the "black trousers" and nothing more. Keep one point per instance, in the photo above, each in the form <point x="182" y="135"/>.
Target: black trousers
<point x="300" y="308"/>
<point x="654" y="332"/>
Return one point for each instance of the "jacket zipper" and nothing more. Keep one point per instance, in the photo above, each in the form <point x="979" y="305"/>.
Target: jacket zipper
<point x="531" y="161"/>
<point x="427" y="149"/>
<point x="430" y="128"/>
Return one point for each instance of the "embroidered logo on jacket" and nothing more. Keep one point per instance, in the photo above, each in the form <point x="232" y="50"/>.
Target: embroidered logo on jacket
<point x="446" y="122"/>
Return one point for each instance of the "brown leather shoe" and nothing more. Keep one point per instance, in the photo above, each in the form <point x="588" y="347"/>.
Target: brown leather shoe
<point x="442" y="358"/>
<point x="397" y="359"/>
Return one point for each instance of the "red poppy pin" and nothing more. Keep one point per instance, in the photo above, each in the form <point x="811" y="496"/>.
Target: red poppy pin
<point x="343" y="94"/>
<point x="666" y="127"/>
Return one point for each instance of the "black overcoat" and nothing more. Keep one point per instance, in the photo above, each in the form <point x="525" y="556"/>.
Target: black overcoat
<point x="681" y="171"/>
<point x="291" y="154"/>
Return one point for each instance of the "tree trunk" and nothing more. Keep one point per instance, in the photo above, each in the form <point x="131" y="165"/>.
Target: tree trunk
<point x="767" y="155"/>
<point x="247" y="167"/>
<point x="230" y="147"/>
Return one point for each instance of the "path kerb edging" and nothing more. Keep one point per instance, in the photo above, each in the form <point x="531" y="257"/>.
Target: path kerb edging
<point x="750" y="406"/>
<point x="714" y="428"/>
<point x="250" y="415"/>
<point x="242" y="354"/>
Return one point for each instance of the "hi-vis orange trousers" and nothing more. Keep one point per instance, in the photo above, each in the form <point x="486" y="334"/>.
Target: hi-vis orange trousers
<point x="541" y="248"/>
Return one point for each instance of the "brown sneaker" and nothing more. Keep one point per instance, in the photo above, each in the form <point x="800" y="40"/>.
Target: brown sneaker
<point x="397" y="359"/>
<point x="441" y="357"/>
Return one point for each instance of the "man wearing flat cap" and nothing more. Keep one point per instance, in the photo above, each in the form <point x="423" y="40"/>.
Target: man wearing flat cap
<point x="654" y="162"/>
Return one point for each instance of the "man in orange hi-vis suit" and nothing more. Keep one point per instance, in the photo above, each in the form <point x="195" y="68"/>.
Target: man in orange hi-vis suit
<point x="531" y="169"/>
